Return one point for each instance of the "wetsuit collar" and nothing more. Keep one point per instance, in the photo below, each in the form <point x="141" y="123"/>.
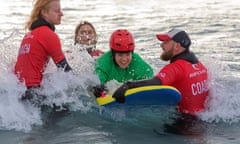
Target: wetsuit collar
<point x="42" y="22"/>
<point x="186" y="55"/>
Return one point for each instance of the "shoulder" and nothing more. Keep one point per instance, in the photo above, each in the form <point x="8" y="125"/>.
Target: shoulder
<point x="136" y="55"/>
<point x="139" y="63"/>
<point x="105" y="57"/>
<point x="43" y="29"/>
<point x="104" y="60"/>
<point x="178" y="66"/>
<point x="136" y="58"/>
<point x="181" y="63"/>
<point x="46" y="32"/>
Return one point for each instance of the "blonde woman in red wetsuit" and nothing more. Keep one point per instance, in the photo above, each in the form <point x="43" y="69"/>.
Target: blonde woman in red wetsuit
<point x="40" y="44"/>
<point x="184" y="72"/>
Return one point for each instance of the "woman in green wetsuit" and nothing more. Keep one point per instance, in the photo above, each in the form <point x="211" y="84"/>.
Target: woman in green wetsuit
<point x="121" y="63"/>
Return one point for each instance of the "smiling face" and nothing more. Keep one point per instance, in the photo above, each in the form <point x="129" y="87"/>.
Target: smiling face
<point x="53" y="12"/>
<point x="86" y="35"/>
<point x="123" y="59"/>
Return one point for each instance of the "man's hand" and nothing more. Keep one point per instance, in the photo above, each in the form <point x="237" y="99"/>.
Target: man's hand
<point x="119" y="94"/>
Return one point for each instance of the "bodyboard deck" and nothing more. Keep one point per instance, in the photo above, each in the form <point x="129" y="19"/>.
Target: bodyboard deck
<point x="145" y="95"/>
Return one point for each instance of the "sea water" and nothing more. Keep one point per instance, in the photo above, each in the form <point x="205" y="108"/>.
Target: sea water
<point x="214" y="29"/>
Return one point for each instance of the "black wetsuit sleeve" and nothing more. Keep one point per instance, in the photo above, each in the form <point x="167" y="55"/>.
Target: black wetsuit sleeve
<point x="64" y="65"/>
<point x="148" y="82"/>
<point x="119" y="93"/>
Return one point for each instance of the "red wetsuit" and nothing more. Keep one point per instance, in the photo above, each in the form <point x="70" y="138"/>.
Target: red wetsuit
<point x="191" y="80"/>
<point x="36" y="48"/>
<point x="96" y="53"/>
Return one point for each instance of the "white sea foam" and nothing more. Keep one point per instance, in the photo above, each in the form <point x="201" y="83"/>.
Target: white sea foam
<point x="60" y="88"/>
<point x="224" y="100"/>
<point x="212" y="25"/>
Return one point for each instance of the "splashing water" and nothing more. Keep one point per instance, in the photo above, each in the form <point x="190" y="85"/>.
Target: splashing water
<point x="214" y="34"/>
<point x="60" y="88"/>
<point x="224" y="100"/>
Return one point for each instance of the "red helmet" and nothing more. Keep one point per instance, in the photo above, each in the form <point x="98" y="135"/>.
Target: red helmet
<point x="122" y="40"/>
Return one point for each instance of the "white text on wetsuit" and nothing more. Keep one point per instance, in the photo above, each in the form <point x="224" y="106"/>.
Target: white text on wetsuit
<point x="24" y="49"/>
<point x="199" y="87"/>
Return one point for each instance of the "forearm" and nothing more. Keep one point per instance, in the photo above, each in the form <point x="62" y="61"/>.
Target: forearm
<point x="64" y="65"/>
<point x="119" y="93"/>
<point x="147" y="82"/>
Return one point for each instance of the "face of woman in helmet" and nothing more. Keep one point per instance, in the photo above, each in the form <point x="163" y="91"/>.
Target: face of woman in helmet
<point x="123" y="59"/>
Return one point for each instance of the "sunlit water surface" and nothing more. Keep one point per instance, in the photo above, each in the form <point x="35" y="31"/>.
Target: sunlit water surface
<point x="214" y="29"/>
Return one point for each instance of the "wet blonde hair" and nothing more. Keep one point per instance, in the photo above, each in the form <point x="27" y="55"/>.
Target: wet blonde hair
<point x="38" y="6"/>
<point x="82" y="23"/>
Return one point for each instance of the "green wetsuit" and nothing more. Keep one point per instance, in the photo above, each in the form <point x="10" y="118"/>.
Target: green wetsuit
<point x="107" y="70"/>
